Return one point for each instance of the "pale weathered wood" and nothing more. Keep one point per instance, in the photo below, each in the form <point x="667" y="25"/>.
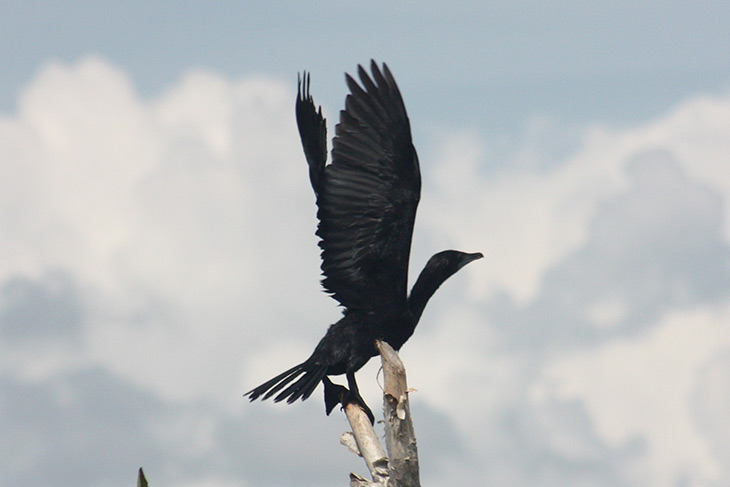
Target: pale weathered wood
<point x="400" y="438"/>
<point x="400" y="469"/>
<point x="348" y="439"/>
<point x="358" y="481"/>
<point x="368" y="445"/>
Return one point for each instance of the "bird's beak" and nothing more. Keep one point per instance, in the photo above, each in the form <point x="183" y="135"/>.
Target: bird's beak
<point x="471" y="258"/>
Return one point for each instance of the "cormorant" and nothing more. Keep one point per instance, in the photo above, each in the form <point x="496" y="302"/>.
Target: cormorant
<point x="367" y="199"/>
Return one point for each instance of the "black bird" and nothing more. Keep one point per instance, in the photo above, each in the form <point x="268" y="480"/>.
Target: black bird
<point x="367" y="199"/>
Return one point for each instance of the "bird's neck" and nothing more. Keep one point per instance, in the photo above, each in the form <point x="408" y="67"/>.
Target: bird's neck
<point x="426" y="284"/>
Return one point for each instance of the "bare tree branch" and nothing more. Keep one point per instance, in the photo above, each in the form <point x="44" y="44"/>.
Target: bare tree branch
<point x="402" y="468"/>
<point x="368" y="446"/>
<point x="400" y="438"/>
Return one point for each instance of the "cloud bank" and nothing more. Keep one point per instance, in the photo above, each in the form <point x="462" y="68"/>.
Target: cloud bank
<point x="159" y="260"/>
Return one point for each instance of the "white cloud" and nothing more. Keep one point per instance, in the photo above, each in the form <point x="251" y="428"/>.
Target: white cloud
<point x="176" y="211"/>
<point x="607" y="312"/>
<point x="171" y="243"/>
<point x="590" y="251"/>
<point x="527" y="219"/>
<point x="643" y="387"/>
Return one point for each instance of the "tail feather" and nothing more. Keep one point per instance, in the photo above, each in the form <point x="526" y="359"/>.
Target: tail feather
<point x="284" y="377"/>
<point x="284" y="381"/>
<point x="301" y="380"/>
<point x="309" y="388"/>
<point x="303" y="387"/>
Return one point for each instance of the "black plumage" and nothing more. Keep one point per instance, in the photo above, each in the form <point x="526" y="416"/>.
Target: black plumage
<point x="367" y="199"/>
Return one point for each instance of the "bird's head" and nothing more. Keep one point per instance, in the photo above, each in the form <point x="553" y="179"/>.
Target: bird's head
<point x="448" y="262"/>
<point x="438" y="268"/>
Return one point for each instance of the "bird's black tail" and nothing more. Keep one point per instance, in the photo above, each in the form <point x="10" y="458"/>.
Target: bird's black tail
<point x="301" y="379"/>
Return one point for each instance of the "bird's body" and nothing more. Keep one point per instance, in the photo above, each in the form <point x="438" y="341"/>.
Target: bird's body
<point x="367" y="199"/>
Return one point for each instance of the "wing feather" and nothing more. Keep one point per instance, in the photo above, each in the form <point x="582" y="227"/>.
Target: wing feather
<point x="368" y="196"/>
<point x="312" y="131"/>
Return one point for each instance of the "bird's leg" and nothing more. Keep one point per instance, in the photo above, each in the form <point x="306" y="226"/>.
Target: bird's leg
<point x="334" y="394"/>
<point x="354" y="397"/>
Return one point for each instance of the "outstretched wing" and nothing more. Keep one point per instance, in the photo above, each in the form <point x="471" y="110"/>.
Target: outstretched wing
<point x="313" y="132"/>
<point x="367" y="196"/>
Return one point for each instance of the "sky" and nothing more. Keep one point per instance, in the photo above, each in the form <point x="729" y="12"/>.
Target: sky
<point x="159" y="257"/>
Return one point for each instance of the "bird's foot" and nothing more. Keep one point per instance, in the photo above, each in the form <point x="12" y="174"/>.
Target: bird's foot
<point x="357" y="400"/>
<point x="335" y="394"/>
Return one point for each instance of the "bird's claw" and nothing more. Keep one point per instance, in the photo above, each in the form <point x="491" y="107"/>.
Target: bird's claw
<point x="357" y="400"/>
<point x="335" y="394"/>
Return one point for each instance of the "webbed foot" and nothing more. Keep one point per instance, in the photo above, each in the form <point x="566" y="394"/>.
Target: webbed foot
<point x="335" y="394"/>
